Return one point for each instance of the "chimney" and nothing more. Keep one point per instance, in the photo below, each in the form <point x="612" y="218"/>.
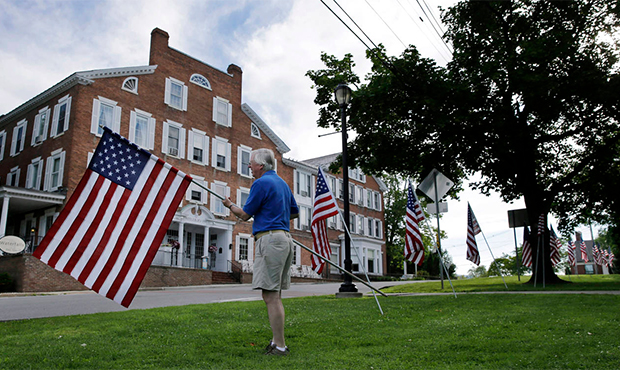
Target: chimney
<point x="159" y="44"/>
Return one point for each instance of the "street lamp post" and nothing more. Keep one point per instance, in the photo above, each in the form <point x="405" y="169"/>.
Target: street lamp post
<point x="343" y="97"/>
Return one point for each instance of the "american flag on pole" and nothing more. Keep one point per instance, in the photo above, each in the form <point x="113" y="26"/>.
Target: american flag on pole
<point x="596" y="255"/>
<point x="325" y="206"/>
<point x="554" y="245"/>
<point x="584" y="251"/>
<point x="526" y="250"/>
<point x="414" y="249"/>
<point x="571" y="253"/>
<point x="472" y="230"/>
<point x="109" y="231"/>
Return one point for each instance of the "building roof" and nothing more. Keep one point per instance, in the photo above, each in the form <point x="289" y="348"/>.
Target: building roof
<point x="280" y="145"/>
<point x="81" y="78"/>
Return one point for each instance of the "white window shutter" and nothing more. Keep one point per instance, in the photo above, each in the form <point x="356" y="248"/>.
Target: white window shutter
<point x="228" y="156"/>
<point x="228" y="196"/>
<point x="214" y="152"/>
<point x="55" y="120"/>
<point x="46" y="124"/>
<point x="239" y="161"/>
<point x="48" y="174"/>
<point x="167" y="92"/>
<point x="151" y="138"/>
<point x="132" y="126"/>
<point x="215" y="103"/>
<point x="190" y="144"/>
<point x="94" y="122"/>
<point x="13" y="142"/>
<point x="39" y="173"/>
<point x="229" y="115"/>
<point x="164" y="139"/>
<point x="29" y="176"/>
<point x="182" y="142"/>
<point x="61" y="168"/>
<point x="185" y="91"/>
<point x="67" y="114"/>
<point x="116" y="126"/>
<point x="35" y="127"/>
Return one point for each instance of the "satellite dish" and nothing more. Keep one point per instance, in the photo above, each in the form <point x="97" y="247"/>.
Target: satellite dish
<point x="12" y="244"/>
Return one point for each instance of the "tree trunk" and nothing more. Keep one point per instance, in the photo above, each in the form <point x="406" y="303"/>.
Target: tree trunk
<point x="542" y="268"/>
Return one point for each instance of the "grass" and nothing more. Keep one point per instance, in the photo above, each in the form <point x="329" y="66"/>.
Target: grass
<point x="576" y="283"/>
<point x="496" y="331"/>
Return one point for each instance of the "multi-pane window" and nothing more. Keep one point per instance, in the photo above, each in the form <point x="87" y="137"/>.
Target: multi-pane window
<point x="242" y="196"/>
<point x="106" y="113"/>
<point x="173" y="142"/>
<point x="195" y="193"/>
<point x="378" y="229"/>
<point x="33" y="177"/>
<point x="369" y="198"/>
<point x="176" y="94"/>
<point x="360" y="224"/>
<point x="377" y="201"/>
<point x="220" y="156"/>
<point x="244" y="245"/>
<point x="340" y="189"/>
<point x="200" y="80"/>
<point x="198" y="146"/>
<point x="304" y="219"/>
<point x="370" y="256"/>
<point x="60" y="120"/>
<point x="41" y="123"/>
<point x="352" y="223"/>
<point x="142" y="129"/>
<point x="369" y="230"/>
<point x="243" y="160"/>
<point x="255" y="132"/>
<point x="12" y="178"/>
<point x="332" y="185"/>
<point x="54" y="170"/>
<point x="303" y="184"/>
<point x="19" y="133"/>
<point x="217" y="207"/>
<point x="222" y="111"/>
<point x="352" y="193"/>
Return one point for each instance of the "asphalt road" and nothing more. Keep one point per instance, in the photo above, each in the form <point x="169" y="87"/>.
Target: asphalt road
<point x="22" y="306"/>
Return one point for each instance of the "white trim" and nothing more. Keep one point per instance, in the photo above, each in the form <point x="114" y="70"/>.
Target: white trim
<point x="200" y="80"/>
<point x="29" y="174"/>
<point x="216" y="142"/>
<point x="168" y="93"/>
<point x="192" y="136"/>
<point x="60" y="155"/>
<point x="216" y="202"/>
<point x="66" y="101"/>
<point x="240" y="167"/>
<point x="217" y="102"/>
<point x="250" y="246"/>
<point x="150" y="134"/>
<point x="115" y="125"/>
<point x="20" y="126"/>
<point x="2" y="143"/>
<point x="181" y="147"/>
<point x="39" y="137"/>
<point x="132" y="89"/>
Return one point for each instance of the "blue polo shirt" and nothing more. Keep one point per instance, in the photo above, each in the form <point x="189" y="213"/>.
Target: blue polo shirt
<point x="271" y="203"/>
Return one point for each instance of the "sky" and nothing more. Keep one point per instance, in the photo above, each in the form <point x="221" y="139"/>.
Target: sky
<point x="275" y="42"/>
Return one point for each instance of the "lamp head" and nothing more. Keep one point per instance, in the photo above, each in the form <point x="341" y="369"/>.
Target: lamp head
<point x="343" y="94"/>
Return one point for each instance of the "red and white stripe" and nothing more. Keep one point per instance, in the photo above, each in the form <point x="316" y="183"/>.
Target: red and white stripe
<point x="324" y="207"/>
<point x="107" y="236"/>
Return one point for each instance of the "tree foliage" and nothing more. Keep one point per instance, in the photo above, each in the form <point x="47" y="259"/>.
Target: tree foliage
<point x="529" y="101"/>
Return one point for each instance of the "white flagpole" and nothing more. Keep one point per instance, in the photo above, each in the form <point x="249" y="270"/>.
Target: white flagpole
<point x="488" y="246"/>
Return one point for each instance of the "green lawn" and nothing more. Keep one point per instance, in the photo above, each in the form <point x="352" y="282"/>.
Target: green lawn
<point x="574" y="283"/>
<point x="495" y="331"/>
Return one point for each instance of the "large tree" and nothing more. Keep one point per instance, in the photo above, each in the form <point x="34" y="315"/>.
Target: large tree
<point x="529" y="101"/>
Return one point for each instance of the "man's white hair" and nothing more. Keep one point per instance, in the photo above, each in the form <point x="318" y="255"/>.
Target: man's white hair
<point x="263" y="157"/>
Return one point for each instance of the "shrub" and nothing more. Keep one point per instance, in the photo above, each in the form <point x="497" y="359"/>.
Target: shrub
<point x="6" y="283"/>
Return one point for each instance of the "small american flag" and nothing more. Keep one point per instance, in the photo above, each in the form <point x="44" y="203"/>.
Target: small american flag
<point x="109" y="231"/>
<point x="554" y="245"/>
<point x="324" y="207"/>
<point x="526" y="258"/>
<point x="584" y="251"/>
<point x="596" y="255"/>
<point x="414" y="249"/>
<point x="472" y="230"/>
<point x="571" y="253"/>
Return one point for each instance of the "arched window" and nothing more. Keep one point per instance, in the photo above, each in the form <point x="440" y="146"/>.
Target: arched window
<point x="255" y="131"/>
<point x="200" y="80"/>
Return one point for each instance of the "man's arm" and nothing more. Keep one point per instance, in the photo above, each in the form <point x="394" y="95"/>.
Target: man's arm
<point x="236" y="210"/>
<point x="294" y="216"/>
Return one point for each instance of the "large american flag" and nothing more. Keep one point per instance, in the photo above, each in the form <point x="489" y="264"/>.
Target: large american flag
<point x="325" y="206"/>
<point x="584" y="251"/>
<point x="571" y="253"/>
<point x="526" y="251"/>
<point x="109" y="231"/>
<point x="414" y="249"/>
<point x="473" y="229"/>
<point x="554" y="245"/>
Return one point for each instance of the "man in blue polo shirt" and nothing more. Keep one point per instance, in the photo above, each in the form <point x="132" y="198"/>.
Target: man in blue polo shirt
<point x="272" y="205"/>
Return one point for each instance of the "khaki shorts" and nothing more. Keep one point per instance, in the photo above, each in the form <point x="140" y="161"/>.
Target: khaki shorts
<point x="272" y="262"/>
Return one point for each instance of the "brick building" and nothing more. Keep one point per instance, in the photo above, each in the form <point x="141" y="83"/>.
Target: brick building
<point x="191" y="115"/>
<point x="589" y="267"/>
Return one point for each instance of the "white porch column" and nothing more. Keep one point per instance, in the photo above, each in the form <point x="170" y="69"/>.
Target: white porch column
<point x="4" y="216"/>
<point x="181" y="254"/>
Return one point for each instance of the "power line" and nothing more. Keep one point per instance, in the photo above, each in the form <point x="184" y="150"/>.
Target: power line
<point x="422" y="30"/>
<point x="438" y="34"/>
<point x="387" y="25"/>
